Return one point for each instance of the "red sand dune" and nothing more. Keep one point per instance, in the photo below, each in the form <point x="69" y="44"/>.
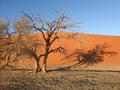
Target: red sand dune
<point x="109" y="63"/>
<point x="112" y="63"/>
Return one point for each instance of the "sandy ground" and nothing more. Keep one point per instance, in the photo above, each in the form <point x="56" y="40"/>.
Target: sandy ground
<point x="102" y="76"/>
<point x="60" y="80"/>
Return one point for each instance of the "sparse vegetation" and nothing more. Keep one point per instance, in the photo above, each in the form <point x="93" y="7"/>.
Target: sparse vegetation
<point x="52" y="52"/>
<point x="60" y="80"/>
<point x="24" y="42"/>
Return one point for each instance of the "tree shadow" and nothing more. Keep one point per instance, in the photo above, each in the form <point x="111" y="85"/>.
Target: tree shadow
<point x="88" y="58"/>
<point x="81" y="58"/>
<point x="6" y="65"/>
<point x="63" y="69"/>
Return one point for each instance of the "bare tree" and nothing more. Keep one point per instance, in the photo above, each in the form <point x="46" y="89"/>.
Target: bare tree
<point x="51" y="32"/>
<point x="7" y="50"/>
<point x="29" y="45"/>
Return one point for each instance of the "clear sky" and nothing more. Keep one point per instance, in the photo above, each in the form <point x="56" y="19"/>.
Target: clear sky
<point x="95" y="16"/>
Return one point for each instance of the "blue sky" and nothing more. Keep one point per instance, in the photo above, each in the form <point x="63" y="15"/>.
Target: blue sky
<point x="95" y="16"/>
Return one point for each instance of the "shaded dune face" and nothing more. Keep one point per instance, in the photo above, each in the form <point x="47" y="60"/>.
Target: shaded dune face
<point x="109" y="63"/>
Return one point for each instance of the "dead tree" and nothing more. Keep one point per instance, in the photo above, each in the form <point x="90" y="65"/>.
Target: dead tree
<point x="51" y="32"/>
<point x="28" y="44"/>
<point x="7" y="42"/>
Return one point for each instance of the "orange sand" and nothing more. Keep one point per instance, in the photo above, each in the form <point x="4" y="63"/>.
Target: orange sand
<point x="109" y="63"/>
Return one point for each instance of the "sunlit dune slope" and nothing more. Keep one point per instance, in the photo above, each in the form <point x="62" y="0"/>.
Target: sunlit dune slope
<point x="87" y="44"/>
<point x="112" y="63"/>
<point x="114" y="45"/>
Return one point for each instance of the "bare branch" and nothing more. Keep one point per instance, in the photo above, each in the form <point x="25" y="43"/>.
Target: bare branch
<point x="54" y="39"/>
<point x="34" y="25"/>
<point x="55" y="50"/>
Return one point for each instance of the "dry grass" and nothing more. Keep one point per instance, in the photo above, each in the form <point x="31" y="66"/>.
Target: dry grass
<point x="59" y="80"/>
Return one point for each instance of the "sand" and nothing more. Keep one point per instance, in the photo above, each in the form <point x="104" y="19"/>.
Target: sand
<point x="102" y="76"/>
<point x="109" y="63"/>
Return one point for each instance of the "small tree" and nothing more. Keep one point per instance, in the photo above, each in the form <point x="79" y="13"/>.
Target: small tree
<point x="50" y="33"/>
<point x="28" y="44"/>
<point x="7" y="43"/>
<point x="30" y="47"/>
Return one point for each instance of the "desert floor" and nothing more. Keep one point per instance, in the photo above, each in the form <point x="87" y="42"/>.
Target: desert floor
<point x="14" y="79"/>
<point x="102" y="76"/>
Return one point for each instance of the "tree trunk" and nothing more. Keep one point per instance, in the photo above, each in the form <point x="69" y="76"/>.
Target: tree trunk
<point x="37" y="66"/>
<point x="44" y="68"/>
